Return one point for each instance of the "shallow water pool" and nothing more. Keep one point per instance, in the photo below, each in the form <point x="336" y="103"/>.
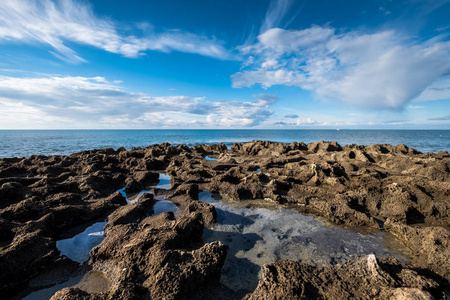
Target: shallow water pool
<point x="258" y="236"/>
<point x="78" y="247"/>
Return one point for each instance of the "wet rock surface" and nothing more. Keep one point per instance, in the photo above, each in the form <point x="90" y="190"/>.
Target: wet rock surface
<point x="392" y="188"/>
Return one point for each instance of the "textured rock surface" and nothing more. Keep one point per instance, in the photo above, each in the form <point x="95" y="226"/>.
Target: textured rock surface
<point x="430" y="245"/>
<point x="360" y="278"/>
<point x="392" y="188"/>
<point x="157" y="258"/>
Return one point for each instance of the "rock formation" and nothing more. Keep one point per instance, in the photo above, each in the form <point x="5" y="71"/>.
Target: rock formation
<point x="392" y="188"/>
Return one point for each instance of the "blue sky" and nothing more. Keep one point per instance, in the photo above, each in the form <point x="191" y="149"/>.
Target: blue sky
<point x="224" y="64"/>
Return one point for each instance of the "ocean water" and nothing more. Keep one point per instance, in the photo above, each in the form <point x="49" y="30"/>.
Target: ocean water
<point x="24" y="143"/>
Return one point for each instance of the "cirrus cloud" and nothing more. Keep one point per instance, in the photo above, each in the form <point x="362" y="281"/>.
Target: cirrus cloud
<point x="56" y="23"/>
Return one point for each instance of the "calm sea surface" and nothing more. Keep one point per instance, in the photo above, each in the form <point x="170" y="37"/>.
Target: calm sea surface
<point x="47" y="142"/>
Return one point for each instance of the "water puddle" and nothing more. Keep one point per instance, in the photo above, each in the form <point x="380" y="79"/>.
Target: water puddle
<point x="163" y="205"/>
<point x="211" y="158"/>
<point x="256" y="236"/>
<point x="78" y="247"/>
<point x="133" y="197"/>
<point x="47" y="293"/>
<point x="164" y="182"/>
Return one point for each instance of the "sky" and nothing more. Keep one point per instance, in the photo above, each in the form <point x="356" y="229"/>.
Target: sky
<point x="262" y="64"/>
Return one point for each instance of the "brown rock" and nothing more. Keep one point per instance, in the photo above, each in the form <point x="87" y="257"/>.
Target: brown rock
<point x="430" y="245"/>
<point x="360" y="278"/>
<point x="132" y="213"/>
<point x="355" y="185"/>
<point x="132" y="185"/>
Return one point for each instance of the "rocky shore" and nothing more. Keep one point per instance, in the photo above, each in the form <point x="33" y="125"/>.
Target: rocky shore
<point x="394" y="189"/>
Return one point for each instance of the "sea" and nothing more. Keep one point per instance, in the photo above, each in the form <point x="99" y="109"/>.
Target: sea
<point x="24" y="143"/>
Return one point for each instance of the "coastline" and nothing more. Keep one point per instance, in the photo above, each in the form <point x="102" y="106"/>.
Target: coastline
<point x="395" y="189"/>
<point x="24" y="143"/>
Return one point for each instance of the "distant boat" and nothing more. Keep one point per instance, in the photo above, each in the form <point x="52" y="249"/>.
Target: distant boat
<point x="337" y="129"/>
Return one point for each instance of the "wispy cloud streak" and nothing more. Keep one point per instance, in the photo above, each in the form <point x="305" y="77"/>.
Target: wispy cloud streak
<point x="275" y="14"/>
<point x="54" y="23"/>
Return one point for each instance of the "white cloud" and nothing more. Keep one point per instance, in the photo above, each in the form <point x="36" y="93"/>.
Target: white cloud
<point x="81" y="102"/>
<point x="54" y="23"/>
<point x="150" y="120"/>
<point x="284" y="41"/>
<point x="379" y="70"/>
<point x="307" y="121"/>
<point x="232" y="114"/>
<point x="19" y="116"/>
